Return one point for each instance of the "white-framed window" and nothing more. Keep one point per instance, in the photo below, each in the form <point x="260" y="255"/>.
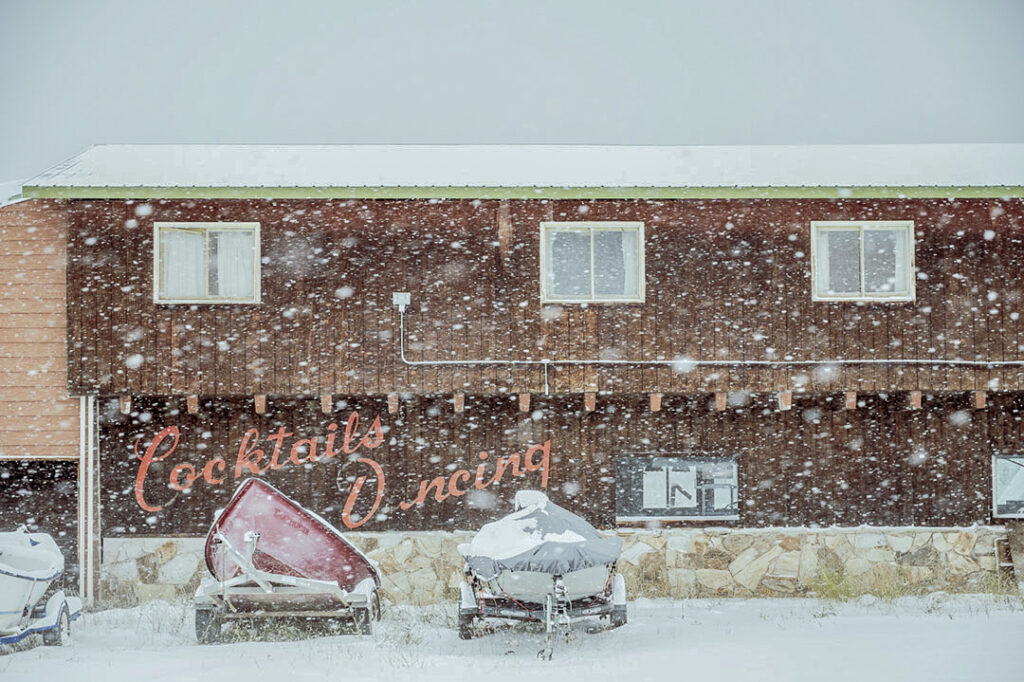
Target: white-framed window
<point x="676" y="488"/>
<point x="206" y="262"/>
<point x="1008" y="486"/>
<point x="868" y="260"/>
<point x="592" y="262"/>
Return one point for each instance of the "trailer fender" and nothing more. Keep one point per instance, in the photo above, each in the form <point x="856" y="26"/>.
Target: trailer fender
<point x="619" y="590"/>
<point x="51" y="615"/>
<point x="467" y="599"/>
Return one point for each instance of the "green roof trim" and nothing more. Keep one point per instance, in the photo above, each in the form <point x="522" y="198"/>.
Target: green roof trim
<point x="979" y="192"/>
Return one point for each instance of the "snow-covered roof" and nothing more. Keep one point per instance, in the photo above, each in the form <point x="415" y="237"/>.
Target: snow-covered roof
<point x="10" y="192"/>
<point x="363" y="170"/>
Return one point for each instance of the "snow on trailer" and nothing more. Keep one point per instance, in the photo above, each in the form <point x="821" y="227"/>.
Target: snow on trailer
<point x="31" y="602"/>
<point x="541" y="563"/>
<point x="269" y="557"/>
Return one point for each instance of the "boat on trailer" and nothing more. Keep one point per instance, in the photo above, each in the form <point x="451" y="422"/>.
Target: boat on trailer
<point x="31" y="602"/>
<point x="541" y="563"/>
<point x="270" y="558"/>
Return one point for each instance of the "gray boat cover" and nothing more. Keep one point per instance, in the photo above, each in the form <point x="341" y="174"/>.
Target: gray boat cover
<point x="539" y="536"/>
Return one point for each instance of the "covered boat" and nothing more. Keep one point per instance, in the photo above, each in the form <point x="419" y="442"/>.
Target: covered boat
<point x="541" y="563"/>
<point x="30" y="601"/>
<point x="269" y="557"/>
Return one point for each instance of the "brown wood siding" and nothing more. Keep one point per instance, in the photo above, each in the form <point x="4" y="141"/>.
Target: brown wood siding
<point x="43" y="496"/>
<point x="814" y="465"/>
<point x="726" y="280"/>
<point x="37" y="418"/>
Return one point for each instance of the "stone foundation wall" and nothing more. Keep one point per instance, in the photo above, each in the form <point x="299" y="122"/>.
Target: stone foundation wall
<point x="425" y="567"/>
<point x="833" y="561"/>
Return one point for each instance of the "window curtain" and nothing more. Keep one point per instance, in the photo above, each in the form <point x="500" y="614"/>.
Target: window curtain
<point x="569" y="263"/>
<point x="182" y="264"/>
<point x="838" y="262"/>
<point x="902" y="276"/>
<point x="615" y="263"/>
<point x="885" y="261"/>
<point x="231" y="268"/>
<point x="630" y="263"/>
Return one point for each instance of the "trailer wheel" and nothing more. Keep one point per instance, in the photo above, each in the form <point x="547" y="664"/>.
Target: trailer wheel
<point x="618" y="616"/>
<point x="363" y="618"/>
<point x="375" y="610"/>
<point x="58" y="635"/>
<point x="207" y="626"/>
<point x="466" y="626"/>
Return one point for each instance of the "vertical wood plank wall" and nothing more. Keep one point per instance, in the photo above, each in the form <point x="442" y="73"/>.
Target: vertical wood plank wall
<point x="37" y="418"/>
<point x="726" y="280"/>
<point x="816" y="464"/>
<point x="42" y="495"/>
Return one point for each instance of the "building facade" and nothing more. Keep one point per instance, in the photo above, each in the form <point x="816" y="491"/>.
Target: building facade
<point x="761" y="387"/>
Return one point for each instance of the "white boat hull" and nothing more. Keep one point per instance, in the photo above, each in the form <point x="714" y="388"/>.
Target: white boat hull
<point x="48" y="620"/>
<point x="29" y="563"/>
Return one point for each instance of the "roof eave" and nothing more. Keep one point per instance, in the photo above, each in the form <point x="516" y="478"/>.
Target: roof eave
<point x="526" y="192"/>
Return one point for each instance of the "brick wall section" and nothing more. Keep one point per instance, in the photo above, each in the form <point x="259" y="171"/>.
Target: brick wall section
<point x="37" y="418"/>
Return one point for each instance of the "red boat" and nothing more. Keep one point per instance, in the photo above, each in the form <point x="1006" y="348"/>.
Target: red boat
<point x="271" y="558"/>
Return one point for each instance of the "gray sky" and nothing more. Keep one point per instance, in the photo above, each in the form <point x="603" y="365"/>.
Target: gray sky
<point x="75" y="73"/>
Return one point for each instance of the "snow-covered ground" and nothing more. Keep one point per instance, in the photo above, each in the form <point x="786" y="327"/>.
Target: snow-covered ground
<point x="939" y="637"/>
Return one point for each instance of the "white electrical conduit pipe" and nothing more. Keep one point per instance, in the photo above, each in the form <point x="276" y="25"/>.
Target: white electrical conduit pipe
<point x="546" y="362"/>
